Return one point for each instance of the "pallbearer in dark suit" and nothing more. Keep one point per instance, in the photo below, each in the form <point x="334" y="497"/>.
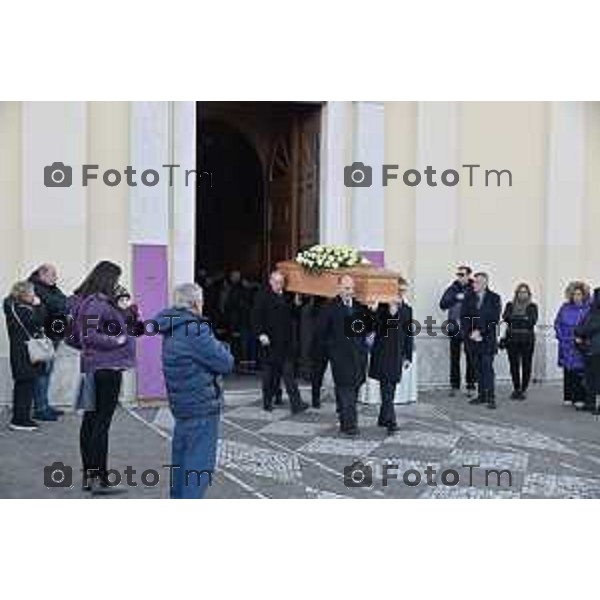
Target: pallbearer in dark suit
<point x="480" y="316"/>
<point x="348" y="353"/>
<point x="391" y="352"/>
<point x="273" y="323"/>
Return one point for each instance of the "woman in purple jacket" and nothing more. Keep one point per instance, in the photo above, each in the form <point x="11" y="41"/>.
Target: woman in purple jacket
<point x="100" y="331"/>
<point x="569" y="316"/>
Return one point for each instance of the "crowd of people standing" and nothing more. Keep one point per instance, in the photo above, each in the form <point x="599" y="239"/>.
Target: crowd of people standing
<point x="193" y="365"/>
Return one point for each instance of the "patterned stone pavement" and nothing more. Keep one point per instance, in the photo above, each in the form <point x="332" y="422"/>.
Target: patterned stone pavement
<point x="550" y="450"/>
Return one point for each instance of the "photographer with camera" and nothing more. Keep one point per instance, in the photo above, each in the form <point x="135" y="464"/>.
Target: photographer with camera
<point x="347" y="349"/>
<point x="100" y="332"/>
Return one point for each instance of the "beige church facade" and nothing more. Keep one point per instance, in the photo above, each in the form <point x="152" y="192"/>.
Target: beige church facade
<point x="542" y="228"/>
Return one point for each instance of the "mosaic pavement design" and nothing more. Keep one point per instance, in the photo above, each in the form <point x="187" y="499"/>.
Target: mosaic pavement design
<point x="551" y="451"/>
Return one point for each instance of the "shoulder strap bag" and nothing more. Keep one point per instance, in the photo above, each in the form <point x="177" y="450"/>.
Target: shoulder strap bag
<point x="39" y="349"/>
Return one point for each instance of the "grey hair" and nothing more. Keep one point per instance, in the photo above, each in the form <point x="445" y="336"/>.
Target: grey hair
<point x="187" y="294"/>
<point x="22" y="288"/>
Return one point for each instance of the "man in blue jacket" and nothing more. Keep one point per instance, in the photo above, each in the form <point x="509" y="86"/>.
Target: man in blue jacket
<point x="452" y="301"/>
<point x="193" y="363"/>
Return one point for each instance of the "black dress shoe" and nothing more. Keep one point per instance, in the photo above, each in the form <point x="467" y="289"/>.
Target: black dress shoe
<point x="268" y="407"/>
<point x="392" y="428"/>
<point x="350" y="432"/>
<point x="515" y="395"/>
<point x="299" y="408"/>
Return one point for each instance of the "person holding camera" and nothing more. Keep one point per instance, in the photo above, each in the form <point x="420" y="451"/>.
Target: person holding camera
<point x="23" y="324"/>
<point x="451" y="301"/>
<point x="391" y="352"/>
<point x="520" y="316"/>
<point x="480" y="316"/>
<point x="53" y="307"/>
<point x="194" y="361"/>
<point x="273" y="319"/>
<point x="343" y="330"/>
<point x="100" y="332"/>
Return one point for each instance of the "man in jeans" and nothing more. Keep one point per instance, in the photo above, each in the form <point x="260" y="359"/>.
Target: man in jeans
<point x="53" y="306"/>
<point x="452" y="301"/>
<point x="193" y="363"/>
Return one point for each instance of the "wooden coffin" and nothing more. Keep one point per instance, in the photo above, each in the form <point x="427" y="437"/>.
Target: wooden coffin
<point x="372" y="284"/>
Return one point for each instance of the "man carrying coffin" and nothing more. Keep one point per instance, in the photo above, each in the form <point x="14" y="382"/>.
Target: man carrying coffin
<point x="273" y="324"/>
<point x="347" y="350"/>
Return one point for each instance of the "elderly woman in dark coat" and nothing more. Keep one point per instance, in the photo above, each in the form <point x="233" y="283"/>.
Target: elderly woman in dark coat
<point x="23" y="323"/>
<point x="587" y="337"/>
<point x="391" y="353"/>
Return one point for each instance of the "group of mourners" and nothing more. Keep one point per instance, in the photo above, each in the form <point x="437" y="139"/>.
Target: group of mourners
<point x="194" y="360"/>
<point x="482" y="328"/>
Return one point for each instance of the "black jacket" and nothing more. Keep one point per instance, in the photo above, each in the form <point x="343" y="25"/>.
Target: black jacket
<point x="589" y="331"/>
<point x="274" y="315"/>
<point x="392" y="346"/>
<point x="348" y="354"/>
<point x="521" y="328"/>
<point x="20" y="364"/>
<point x="453" y="305"/>
<point x="485" y="318"/>
<point x="53" y="305"/>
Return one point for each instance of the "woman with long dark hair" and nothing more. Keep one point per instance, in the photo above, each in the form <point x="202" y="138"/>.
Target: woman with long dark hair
<point x="521" y="316"/>
<point x="106" y="351"/>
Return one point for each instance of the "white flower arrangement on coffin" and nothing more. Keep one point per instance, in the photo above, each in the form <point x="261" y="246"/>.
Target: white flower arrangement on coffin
<point x="324" y="258"/>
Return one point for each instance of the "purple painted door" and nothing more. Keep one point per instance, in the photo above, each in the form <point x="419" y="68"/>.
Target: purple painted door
<point x="150" y="288"/>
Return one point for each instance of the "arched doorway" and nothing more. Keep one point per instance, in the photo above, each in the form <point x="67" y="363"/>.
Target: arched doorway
<point x="262" y="202"/>
<point x="230" y="216"/>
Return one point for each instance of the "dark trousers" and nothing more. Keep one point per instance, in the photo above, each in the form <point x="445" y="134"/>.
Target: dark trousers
<point x="22" y="400"/>
<point x="346" y="397"/>
<point x="484" y="370"/>
<point x="93" y="435"/>
<point x="272" y="374"/>
<point x="455" y="351"/>
<point x="520" y="358"/>
<point x="574" y="386"/>
<point x="387" y="413"/>
<point x="319" y="366"/>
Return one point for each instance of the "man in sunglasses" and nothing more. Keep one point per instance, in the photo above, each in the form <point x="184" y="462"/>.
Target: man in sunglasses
<point x="452" y="301"/>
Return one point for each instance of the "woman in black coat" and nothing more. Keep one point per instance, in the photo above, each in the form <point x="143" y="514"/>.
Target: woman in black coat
<point x="521" y="316"/>
<point x="23" y="323"/>
<point x="391" y="353"/>
<point x="587" y="338"/>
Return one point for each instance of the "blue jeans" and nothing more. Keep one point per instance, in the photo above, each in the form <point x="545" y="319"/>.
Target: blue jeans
<point x="194" y="452"/>
<point x="40" y="390"/>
